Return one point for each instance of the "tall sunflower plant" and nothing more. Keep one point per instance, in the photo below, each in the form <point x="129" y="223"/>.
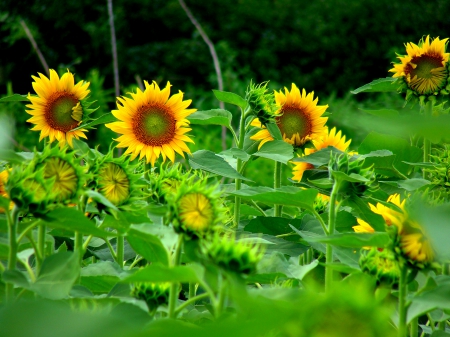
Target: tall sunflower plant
<point x="153" y="228"/>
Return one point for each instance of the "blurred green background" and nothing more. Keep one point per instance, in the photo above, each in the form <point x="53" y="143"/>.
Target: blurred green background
<point x="326" y="46"/>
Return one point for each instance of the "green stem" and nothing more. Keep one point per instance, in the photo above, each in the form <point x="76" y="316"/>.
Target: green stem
<point x="238" y="182"/>
<point x="258" y="208"/>
<point x="41" y="247"/>
<point x="111" y="249"/>
<point x="426" y="142"/>
<point x="414" y="327"/>
<point x="322" y="223"/>
<point x="79" y="245"/>
<point x="26" y="230"/>
<point x="190" y="301"/>
<point x="135" y="262"/>
<point x="192" y="290"/>
<point x="277" y="184"/>
<point x="402" y="308"/>
<point x="173" y="295"/>
<point x="13" y="219"/>
<point x="441" y="325"/>
<point x="120" y="250"/>
<point x="331" y="227"/>
<point x="221" y="300"/>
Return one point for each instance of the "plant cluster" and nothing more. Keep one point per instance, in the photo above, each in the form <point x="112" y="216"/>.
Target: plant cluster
<point x="356" y="242"/>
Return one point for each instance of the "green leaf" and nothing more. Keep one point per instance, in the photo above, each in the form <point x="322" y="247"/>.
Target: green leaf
<point x="160" y="273"/>
<point x="17" y="278"/>
<point x="324" y="183"/>
<point x="267" y="278"/>
<point x="382" y="112"/>
<point x="231" y="98"/>
<point x="149" y="246"/>
<point x="319" y="158"/>
<point x="57" y="275"/>
<point x="274" y="131"/>
<point x="101" y="199"/>
<point x="236" y="153"/>
<point x="103" y="119"/>
<point x="11" y="157"/>
<point x="211" y="117"/>
<point x="210" y="162"/>
<point x="73" y="220"/>
<point x="409" y="184"/>
<point x="381" y="85"/>
<point x="353" y="240"/>
<point x="401" y="148"/>
<point x="272" y="225"/>
<point x="102" y="276"/>
<point x="14" y="98"/>
<point x="276" y="150"/>
<point x="353" y="177"/>
<point x="286" y="196"/>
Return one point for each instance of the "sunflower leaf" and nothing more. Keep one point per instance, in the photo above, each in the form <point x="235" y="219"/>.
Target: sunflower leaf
<point x="319" y="158"/>
<point x="103" y="119"/>
<point x="274" y="131"/>
<point x="11" y="156"/>
<point x="381" y="85"/>
<point x="408" y="184"/>
<point x="231" y="98"/>
<point x="211" y="117"/>
<point x="14" y="98"/>
<point x="210" y="162"/>
<point x="276" y="150"/>
<point x="382" y="112"/>
<point x="159" y="273"/>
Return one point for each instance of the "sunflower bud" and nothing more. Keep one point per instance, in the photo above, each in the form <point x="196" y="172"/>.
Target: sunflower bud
<point x="154" y="294"/>
<point x="382" y="264"/>
<point x="165" y="184"/>
<point x="232" y="255"/>
<point x="262" y="105"/>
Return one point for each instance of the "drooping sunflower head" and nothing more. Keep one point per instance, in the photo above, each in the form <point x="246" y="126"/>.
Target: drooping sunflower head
<point x="116" y="180"/>
<point x="425" y="69"/>
<point x="154" y="294"/>
<point x="299" y="118"/>
<point x="151" y="124"/>
<point x="197" y="208"/>
<point x="239" y="256"/>
<point x="59" y="107"/>
<point x="62" y="168"/>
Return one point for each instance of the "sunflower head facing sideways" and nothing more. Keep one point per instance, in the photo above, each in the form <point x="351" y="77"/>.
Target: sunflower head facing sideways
<point x="59" y="107"/>
<point x="152" y="124"/>
<point x="425" y="68"/>
<point x="299" y="118"/>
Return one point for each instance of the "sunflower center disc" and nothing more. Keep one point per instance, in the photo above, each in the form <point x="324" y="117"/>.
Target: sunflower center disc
<point x="196" y="211"/>
<point x="65" y="176"/>
<point x="114" y="183"/>
<point x="154" y="126"/>
<point x="59" y="112"/>
<point x="425" y="64"/>
<point x="293" y="121"/>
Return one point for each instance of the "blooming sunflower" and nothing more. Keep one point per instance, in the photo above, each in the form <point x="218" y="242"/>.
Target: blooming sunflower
<point x="152" y="124"/>
<point x="3" y="179"/>
<point x="424" y="69"/>
<point x="58" y="108"/>
<point x="330" y="138"/>
<point x="299" y="118"/>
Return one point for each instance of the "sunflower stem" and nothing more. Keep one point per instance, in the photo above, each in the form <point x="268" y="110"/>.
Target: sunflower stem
<point x="426" y="142"/>
<point x="331" y="227"/>
<point x="402" y="308"/>
<point x="79" y="246"/>
<point x="120" y="250"/>
<point x="13" y="219"/>
<point x="238" y="182"/>
<point x="277" y="185"/>
<point x="190" y="301"/>
<point x="41" y="247"/>
<point x="414" y="327"/>
<point x="173" y="295"/>
<point x="192" y="290"/>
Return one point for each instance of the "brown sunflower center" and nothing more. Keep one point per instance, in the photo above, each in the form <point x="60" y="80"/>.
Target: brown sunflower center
<point x="154" y="125"/>
<point x="58" y="111"/>
<point x="422" y="66"/>
<point x="292" y="121"/>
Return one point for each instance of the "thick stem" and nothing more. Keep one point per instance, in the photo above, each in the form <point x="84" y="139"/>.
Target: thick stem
<point x="120" y="250"/>
<point x="426" y="142"/>
<point x="238" y="182"/>
<point x="12" y="218"/>
<point x="277" y="184"/>
<point x="414" y="327"/>
<point x="402" y="301"/>
<point x="41" y="247"/>
<point x="173" y="295"/>
<point x="79" y="245"/>
<point x="331" y="227"/>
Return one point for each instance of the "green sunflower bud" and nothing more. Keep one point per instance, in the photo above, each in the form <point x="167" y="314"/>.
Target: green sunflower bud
<point x="165" y="184"/>
<point x="196" y="208"/>
<point x="262" y="105"/>
<point x="239" y="256"/>
<point x="154" y="294"/>
<point x="382" y="264"/>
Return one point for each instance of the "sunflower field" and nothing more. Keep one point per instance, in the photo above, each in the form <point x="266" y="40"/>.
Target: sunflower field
<point x="295" y="228"/>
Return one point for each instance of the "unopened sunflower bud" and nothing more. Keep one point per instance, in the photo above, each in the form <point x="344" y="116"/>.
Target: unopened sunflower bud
<point x="261" y="103"/>
<point x="154" y="294"/>
<point x="382" y="264"/>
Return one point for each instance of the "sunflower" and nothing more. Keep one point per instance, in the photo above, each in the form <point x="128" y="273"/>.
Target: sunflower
<point x="424" y="69"/>
<point x="298" y="118"/>
<point x="57" y="109"/>
<point x="3" y="179"/>
<point x="391" y="216"/>
<point x="330" y="138"/>
<point x="113" y="183"/>
<point x="195" y="211"/>
<point x="152" y="124"/>
<point x="363" y="227"/>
